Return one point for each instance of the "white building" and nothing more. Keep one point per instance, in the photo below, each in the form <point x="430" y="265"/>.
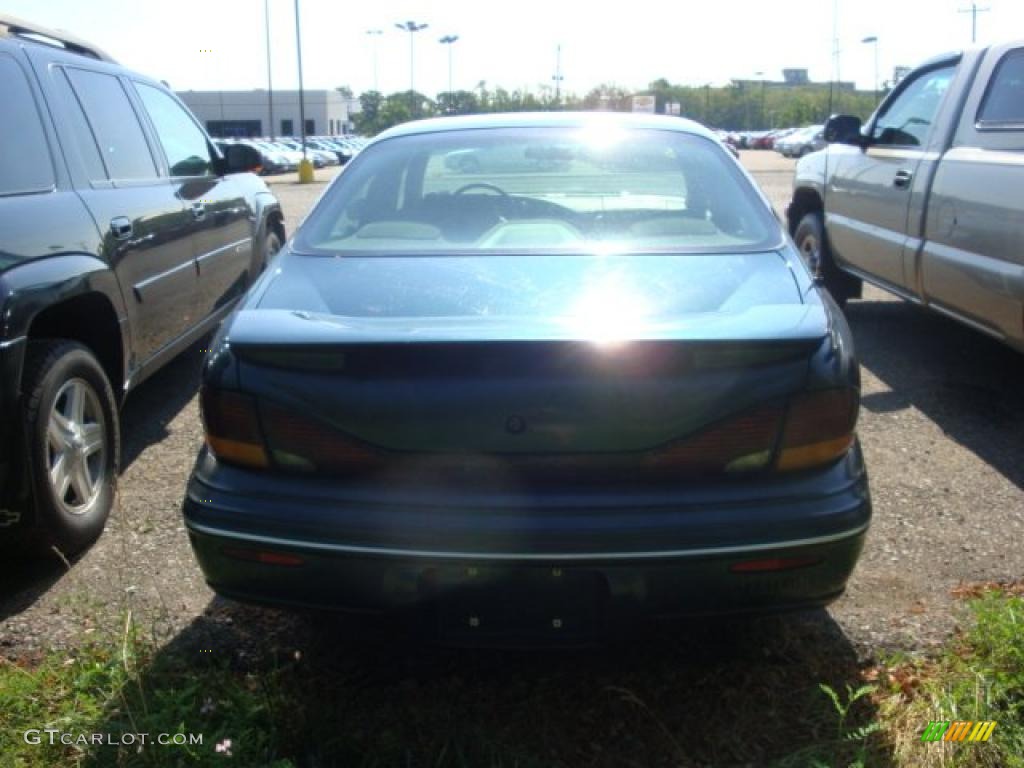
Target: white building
<point x="248" y="113"/>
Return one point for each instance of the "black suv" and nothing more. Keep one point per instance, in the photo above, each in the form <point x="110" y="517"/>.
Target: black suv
<point x="125" y="236"/>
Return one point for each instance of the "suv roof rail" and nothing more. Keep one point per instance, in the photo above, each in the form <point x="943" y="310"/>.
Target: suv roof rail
<point x="12" y="26"/>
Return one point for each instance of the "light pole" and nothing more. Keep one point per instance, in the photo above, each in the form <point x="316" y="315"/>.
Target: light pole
<point x="557" y="77"/>
<point x="761" y="119"/>
<point x="448" y="40"/>
<point x="974" y="10"/>
<point x="412" y="28"/>
<point x="374" y="34"/>
<point x="270" y="83"/>
<point x="305" y="167"/>
<point x="873" y="40"/>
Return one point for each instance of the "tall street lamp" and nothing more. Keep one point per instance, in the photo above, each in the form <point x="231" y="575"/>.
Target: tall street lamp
<point x="448" y="40"/>
<point x="412" y="28"/>
<point x="270" y="82"/>
<point x="873" y="40"/>
<point x="761" y="75"/>
<point x="305" y="166"/>
<point x="558" y="77"/>
<point x="374" y="34"/>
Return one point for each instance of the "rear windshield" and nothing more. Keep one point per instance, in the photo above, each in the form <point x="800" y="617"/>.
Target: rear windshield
<point x="565" y="189"/>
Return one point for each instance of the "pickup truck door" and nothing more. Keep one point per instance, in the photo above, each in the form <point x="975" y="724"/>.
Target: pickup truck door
<point x="972" y="262"/>
<point x="869" y="191"/>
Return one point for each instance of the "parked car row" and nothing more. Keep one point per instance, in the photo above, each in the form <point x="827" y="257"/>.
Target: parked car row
<point x="283" y="154"/>
<point x="790" y="142"/>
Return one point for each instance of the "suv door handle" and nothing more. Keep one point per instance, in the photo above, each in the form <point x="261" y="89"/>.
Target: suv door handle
<point x="903" y="178"/>
<point x="121" y="227"/>
<point x="198" y="211"/>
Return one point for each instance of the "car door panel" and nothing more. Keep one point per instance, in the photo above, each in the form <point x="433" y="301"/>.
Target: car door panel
<point x="870" y="190"/>
<point x="220" y="216"/>
<point x="145" y="229"/>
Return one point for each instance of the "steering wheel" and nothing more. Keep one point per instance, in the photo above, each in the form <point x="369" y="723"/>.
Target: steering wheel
<point x="480" y="185"/>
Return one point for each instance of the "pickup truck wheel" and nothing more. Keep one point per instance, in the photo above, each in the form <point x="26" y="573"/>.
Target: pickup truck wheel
<point x="73" y="440"/>
<point x="810" y="239"/>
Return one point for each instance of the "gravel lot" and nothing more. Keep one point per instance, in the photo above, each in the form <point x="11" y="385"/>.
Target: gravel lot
<point x="943" y="412"/>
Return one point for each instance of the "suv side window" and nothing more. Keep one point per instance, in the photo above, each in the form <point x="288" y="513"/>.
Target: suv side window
<point x="907" y="121"/>
<point x="188" y="153"/>
<point x="25" y="162"/>
<point x="79" y="125"/>
<point x="1004" y="102"/>
<point x="115" y="125"/>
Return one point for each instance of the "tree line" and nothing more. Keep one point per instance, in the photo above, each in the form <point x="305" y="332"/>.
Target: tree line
<point x="741" y="106"/>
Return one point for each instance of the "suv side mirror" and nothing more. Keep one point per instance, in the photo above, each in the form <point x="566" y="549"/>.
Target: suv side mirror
<point x="241" y="158"/>
<point x="844" y="129"/>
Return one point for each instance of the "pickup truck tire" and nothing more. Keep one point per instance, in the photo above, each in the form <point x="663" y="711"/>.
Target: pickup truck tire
<point x="810" y="239"/>
<point x="73" y="440"/>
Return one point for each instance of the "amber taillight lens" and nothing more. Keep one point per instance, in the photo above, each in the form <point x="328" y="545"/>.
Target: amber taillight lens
<point x="232" y="427"/>
<point x="302" y="444"/>
<point x="819" y="428"/>
<point x="742" y="443"/>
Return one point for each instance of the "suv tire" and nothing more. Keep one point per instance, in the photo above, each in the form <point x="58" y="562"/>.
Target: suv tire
<point x="813" y="245"/>
<point x="269" y="247"/>
<point x="73" y="440"/>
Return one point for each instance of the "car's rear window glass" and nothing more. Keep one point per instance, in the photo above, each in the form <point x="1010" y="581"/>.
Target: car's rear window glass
<point x="589" y="188"/>
<point x="1004" y="103"/>
<point x="115" y="124"/>
<point x="25" y="164"/>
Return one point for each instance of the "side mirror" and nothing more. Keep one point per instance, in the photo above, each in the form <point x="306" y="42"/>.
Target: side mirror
<point x="844" y="129"/>
<point x="241" y="158"/>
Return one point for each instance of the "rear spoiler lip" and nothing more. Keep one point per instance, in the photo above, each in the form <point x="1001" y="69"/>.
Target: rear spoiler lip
<point x="789" y="323"/>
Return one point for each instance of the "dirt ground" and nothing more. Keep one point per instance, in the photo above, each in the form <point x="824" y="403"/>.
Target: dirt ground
<point x="941" y="425"/>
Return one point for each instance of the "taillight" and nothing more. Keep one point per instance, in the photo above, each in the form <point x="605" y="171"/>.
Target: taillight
<point x="819" y="428"/>
<point x="303" y="444"/>
<point x="740" y="444"/>
<point x="232" y="427"/>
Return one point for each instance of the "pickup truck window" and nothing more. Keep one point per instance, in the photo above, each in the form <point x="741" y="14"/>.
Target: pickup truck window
<point x="24" y="156"/>
<point x="1004" y="102"/>
<point x="907" y="121"/>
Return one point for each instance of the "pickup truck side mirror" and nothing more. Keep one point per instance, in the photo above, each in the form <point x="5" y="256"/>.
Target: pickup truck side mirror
<point x="844" y="129"/>
<point x="240" y="158"/>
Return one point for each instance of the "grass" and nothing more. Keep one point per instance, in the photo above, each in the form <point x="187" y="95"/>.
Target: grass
<point x="778" y="702"/>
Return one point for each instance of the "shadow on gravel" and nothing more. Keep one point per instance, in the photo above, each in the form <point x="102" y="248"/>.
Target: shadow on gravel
<point x="967" y="383"/>
<point x="24" y="576"/>
<point x="153" y="404"/>
<point x="344" y="692"/>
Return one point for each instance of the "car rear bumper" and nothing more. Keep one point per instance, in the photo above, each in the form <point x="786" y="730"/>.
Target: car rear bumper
<point x="681" y="551"/>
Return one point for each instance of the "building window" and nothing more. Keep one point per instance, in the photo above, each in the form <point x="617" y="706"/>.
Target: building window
<point x="311" y="127"/>
<point x="331" y="124"/>
<point x="287" y="129"/>
<point x="234" y="128"/>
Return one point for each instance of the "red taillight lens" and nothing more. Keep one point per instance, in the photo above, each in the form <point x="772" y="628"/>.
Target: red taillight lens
<point x="303" y="444"/>
<point x="819" y="428"/>
<point x="740" y="444"/>
<point x="769" y="564"/>
<point x="266" y="557"/>
<point x="232" y="427"/>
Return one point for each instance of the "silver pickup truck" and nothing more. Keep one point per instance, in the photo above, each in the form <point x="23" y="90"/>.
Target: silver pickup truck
<point x="927" y="199"/>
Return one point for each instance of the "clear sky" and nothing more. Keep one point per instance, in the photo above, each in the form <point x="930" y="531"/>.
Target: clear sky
<point x="220" y="44"/>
